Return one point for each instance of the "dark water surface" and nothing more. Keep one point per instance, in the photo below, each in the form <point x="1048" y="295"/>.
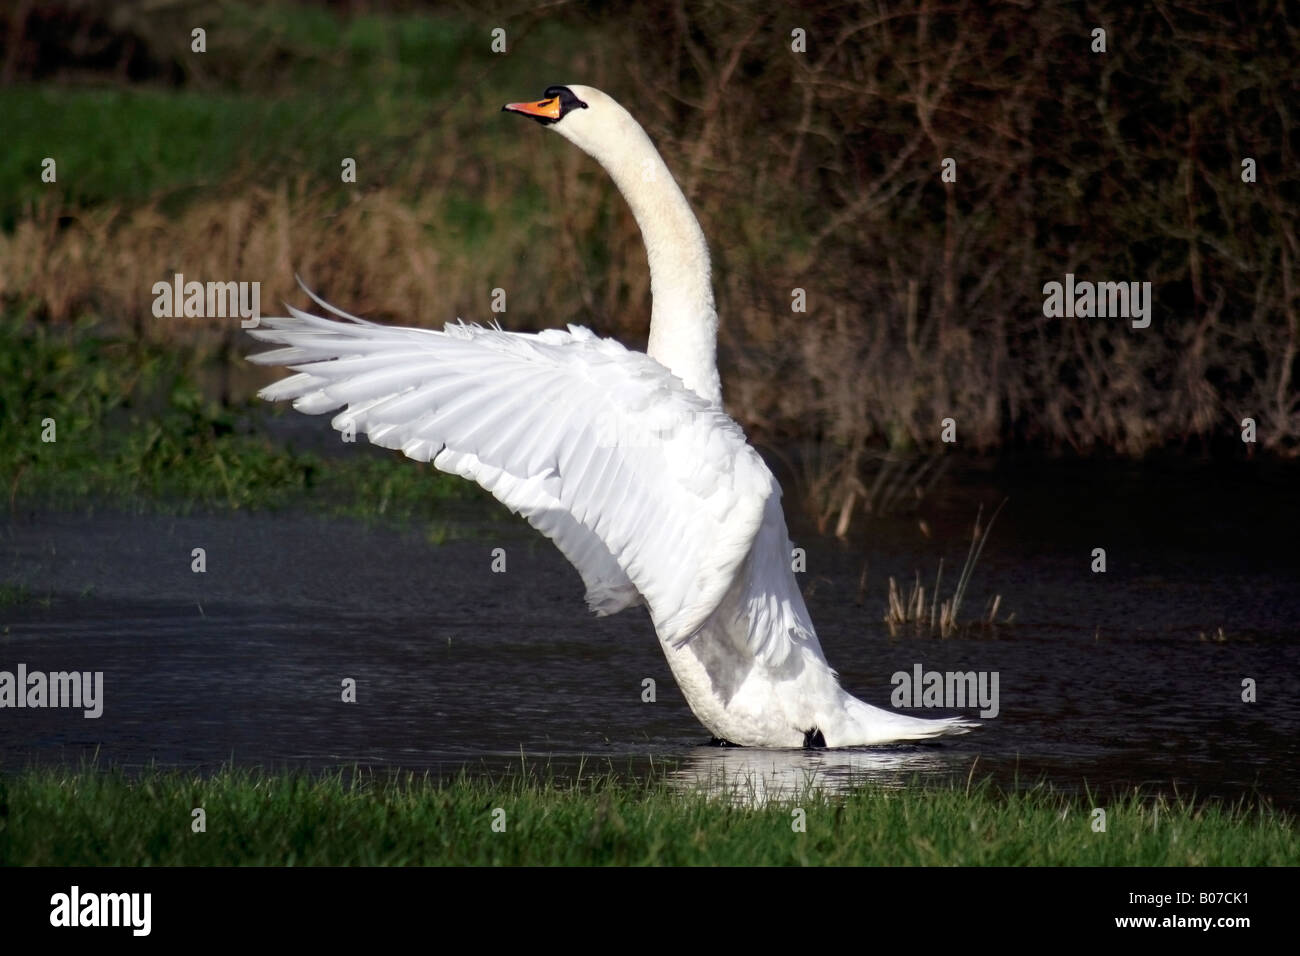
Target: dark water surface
<point x="1105" y="680"/>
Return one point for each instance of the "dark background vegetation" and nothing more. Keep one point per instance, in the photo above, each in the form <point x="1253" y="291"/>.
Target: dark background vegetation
<point x="819" y="171"/>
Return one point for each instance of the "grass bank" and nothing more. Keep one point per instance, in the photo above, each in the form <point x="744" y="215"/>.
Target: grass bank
<point x="92" y="417"/>
<point x="85" y="817"/>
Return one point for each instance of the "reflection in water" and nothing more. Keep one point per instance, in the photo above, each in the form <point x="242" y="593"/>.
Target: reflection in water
<point x="751" y="777"/>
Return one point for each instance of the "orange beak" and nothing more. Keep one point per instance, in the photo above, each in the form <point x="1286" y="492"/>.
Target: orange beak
<point x="542" y="109"/>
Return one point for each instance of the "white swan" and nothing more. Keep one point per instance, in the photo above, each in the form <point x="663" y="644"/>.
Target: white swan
<point x="626" y="461"/>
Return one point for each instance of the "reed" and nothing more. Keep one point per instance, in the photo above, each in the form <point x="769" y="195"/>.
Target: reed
<point x="910" y="612"/>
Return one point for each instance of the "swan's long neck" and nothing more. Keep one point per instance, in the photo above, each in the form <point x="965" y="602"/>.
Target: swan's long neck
<point x="683" y="320"/>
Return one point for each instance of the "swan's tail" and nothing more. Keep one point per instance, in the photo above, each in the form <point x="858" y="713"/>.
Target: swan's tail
<point x="866" y="725"/>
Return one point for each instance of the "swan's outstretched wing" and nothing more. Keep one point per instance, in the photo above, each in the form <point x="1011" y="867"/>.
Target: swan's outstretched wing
<point x="646" y="488"/>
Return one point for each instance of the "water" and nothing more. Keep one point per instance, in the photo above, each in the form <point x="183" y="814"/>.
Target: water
<point x="1106" y="681"/>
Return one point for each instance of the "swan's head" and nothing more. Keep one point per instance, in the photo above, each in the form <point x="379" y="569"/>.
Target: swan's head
<point x="588" y="118"/>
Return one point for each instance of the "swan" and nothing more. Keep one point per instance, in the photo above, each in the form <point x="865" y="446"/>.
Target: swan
<point x="625" y="460"/>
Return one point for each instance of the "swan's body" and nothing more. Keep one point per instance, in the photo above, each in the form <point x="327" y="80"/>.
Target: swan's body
<point x="626" y="461"/>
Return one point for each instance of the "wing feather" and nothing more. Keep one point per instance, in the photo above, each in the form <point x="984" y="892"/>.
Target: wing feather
<point x="651" y="492"/>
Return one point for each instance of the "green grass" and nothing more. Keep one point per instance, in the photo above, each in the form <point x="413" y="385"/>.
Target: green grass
<point x="86" y="817"/>
<point x="176" y="139"/>
<point x="133" y="428"/>
<point x="284" y="90"/>
<point x="183" y="143"/>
